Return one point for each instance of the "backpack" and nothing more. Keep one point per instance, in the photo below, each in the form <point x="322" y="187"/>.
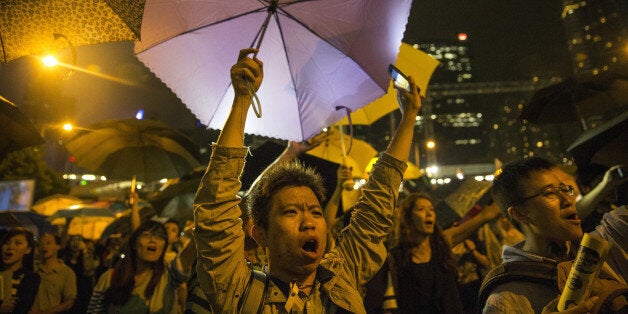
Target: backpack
<point x="253" y="298"/>
<point x="527" y="271"/>
<point x="539" y="273"/>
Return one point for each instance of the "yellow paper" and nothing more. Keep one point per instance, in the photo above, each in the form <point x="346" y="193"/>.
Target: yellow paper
<point x="412" y="62"/>
<point x="585" y="269"/>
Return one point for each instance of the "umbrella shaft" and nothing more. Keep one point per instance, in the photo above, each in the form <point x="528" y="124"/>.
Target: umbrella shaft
<point x="262" y="31"/>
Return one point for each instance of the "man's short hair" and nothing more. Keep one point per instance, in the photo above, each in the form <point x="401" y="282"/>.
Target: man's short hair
<point x="507" y="186"/>
<point x="290" y="174"/>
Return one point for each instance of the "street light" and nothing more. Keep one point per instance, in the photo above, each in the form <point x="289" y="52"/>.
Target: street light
<point x="51" y="61"/>
<point x="430" y="144"/>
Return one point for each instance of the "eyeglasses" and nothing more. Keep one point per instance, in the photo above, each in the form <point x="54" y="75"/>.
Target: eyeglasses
<point x="549" y="193"/>
<point x="156" y="235"/>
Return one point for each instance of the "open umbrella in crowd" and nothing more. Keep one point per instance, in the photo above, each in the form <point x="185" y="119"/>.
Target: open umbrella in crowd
<point x="317" y="55"/>
<point x="148" y="149"/>
<point x="30" y="27"/>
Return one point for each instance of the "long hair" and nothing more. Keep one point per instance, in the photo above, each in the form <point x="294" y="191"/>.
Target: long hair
<point x="28" y="260"/>
<point x="123" y="280"/>
<point x="409" y="236"/>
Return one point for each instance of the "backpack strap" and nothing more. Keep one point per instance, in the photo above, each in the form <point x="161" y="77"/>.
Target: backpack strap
<point x="253" y="298"/>
<point x="528" y="271"/>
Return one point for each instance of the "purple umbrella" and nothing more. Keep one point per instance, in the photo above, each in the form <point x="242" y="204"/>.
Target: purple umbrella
<point x="317" y="55"/>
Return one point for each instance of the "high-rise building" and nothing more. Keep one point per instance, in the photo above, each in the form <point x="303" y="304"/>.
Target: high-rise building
<point x="451" y="122"/>
<point x="596" y="34"/>
<point x="471" y="123"/>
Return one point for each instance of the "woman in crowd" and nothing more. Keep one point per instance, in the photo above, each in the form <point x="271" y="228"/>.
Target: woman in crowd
<point x="421" y="263"/>
<point x="19" y="281"/>
<point x="140" y="282"/>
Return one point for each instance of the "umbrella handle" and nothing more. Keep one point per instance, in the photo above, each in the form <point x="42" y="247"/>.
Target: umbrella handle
<point x="255" y="103"/>
<point x="348" y="184"/>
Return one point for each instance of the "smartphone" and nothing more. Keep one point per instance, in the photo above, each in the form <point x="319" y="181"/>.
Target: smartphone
<point x="399" y="79"/>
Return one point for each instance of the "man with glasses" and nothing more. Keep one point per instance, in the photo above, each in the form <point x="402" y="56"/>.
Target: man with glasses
<point x="534" y="196"/>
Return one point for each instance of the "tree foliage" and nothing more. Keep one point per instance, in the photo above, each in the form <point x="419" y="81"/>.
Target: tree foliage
<point x="28" y="164"/>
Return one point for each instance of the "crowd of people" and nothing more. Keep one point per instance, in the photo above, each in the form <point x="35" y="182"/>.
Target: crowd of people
<point x="281" y="247"/>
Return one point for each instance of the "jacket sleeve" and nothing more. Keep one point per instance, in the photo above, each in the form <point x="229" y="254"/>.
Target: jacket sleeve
<point x="26" y="292"/>
<point x="221" y="267"/>
<point x="361" y="245"/>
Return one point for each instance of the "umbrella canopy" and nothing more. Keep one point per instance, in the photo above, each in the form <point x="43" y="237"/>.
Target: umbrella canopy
<point x="412" y="62"/>
<point x="317" y="55"/>
<point x="605" y="144"/>
<point x="16" y="130"/>
<point x="84" y="220"/>
<point x="28" y="27"/>
<point x="412" y="172"/>
<point x="122" y="224"/>
<point x="148" y="149"/>
<point x="265" y="154"/>
<point x="331" y="149"/>
<point x="34" y="222"/>
<point x="455" y="199"/>
<point x="48" y="206"/>
<point x="175" y="188"/>
<point x="82" y="211"/>
<point x="578" y="98"/>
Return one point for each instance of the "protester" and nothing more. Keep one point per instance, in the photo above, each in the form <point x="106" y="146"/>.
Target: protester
<point x="18" y="279"/>
<point x="288" y="221"/>
<point x="421" y="263"/>
<point x="601" y="192"/>
<point x="174" y="239"/>
<point x="140" y="282"/>
<point x="532" y="195"/>
<point x="57" y="290"/>
<point x="415" y="232"/>
<point x="81" y="259"/>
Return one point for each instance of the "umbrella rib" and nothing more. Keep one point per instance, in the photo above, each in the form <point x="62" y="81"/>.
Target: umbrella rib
<point x="208" y="25"/>
<point x="285" y="51"/>
<point x="288" y="15"/>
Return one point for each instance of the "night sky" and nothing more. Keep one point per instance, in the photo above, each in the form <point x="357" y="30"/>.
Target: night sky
<point x="510" y="40"/>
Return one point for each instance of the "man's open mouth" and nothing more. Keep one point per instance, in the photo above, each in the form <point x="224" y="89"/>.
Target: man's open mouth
<point x="310" y="246"/>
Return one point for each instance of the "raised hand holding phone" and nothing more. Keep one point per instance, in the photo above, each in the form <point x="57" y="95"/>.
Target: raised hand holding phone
<point x="399" y="79"/>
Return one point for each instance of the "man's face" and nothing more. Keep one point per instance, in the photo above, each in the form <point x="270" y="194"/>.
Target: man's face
<point x="48" y="246"/>
<point x="297" y="232"/>
<point x="551" y="217"/>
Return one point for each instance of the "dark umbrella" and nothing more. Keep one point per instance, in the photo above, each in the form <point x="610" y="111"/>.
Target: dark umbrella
<point x="148" y="149"/>
<point x="34" y="222"/>
<point x="578" y="98"/>
<point x="122" y="225"/>
<point x="173" y="198"/>
<point x="456" y="199"/>
<point x="265" y="154"/>
<point x="16" y="130"/>
<point x="605" y="144"/>
<point x="30" y="27"/>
